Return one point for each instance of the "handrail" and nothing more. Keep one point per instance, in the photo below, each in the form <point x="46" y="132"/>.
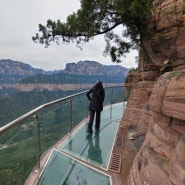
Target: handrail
<point x="13" y="123"/>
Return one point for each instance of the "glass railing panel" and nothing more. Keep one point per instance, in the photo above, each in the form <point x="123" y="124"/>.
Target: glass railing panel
<point x="17" y="153"/>
<point x="79" y="109"/>
<point x="117" y="94"/>
<point x="112" y="95"/>
<point x="54" y="124"/>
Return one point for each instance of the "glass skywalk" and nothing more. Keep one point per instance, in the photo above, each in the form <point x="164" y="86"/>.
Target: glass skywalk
<point x="95" y="148"/>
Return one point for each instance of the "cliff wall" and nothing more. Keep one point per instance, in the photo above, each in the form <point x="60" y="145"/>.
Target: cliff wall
<point x="156" y="106"/>
<point x="94" y="68"/>
<point x="55" y="87"/>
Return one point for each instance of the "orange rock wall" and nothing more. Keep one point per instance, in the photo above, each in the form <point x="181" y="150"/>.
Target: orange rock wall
<point x="168" y="42"/>
<point x="161" y="158"/>
<point x="167" y="27"/>
<point x="157" y="104"/>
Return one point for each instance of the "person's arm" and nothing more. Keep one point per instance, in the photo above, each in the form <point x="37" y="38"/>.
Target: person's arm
<point x="88" y="94"/>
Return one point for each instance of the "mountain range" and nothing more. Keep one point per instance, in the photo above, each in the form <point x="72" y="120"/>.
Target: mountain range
<point x="10" y="67"/>
<point x="19" y="76"/>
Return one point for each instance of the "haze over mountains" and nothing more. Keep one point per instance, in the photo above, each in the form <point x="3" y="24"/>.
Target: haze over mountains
<point x="19" y="76"/>
<point x="10" y="67"/>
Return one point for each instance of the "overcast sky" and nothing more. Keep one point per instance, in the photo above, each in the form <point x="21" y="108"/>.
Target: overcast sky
<point x="19" y="21"/>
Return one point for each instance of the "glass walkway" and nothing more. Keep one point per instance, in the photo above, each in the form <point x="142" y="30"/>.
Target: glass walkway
<point x="84" y="158"/>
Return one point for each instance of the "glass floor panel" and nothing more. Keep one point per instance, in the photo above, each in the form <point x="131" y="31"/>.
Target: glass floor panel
<point x="62" y="170"/>
<point x="96" y="148"/>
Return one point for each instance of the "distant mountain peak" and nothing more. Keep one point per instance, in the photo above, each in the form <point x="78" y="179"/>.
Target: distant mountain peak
<point x="10" y="67"/>
<point x="94" y="68"/>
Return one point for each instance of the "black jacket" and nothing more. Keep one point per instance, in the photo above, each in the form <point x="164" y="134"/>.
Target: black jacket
<point x="96" y="99"/>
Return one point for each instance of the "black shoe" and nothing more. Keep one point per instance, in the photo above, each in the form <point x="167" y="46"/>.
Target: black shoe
<point x="90" y="131"/>
<point x="97" y="129"/>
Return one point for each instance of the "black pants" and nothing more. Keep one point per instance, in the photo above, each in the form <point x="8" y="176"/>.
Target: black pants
<point x="91" y="119"/>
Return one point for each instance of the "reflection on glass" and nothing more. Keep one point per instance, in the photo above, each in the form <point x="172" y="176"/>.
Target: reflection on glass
<point x="86" y="147"/>
<point x="94" y="151"/>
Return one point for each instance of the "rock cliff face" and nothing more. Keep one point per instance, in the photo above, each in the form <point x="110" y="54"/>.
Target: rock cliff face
<point x="9" y="67"/>
<point x="95" y="68"/>
<point x="156" y="106"/>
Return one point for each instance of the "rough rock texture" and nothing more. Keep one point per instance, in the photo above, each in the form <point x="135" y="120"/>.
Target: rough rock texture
<point x="161" y="116"/>
<point x="159" y="111"/>
<point x="168" y="41"/>
<point x="174" y="100"/>
<point x="139" y="96"/>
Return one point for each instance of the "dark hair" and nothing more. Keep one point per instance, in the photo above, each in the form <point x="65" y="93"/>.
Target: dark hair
<point x="99" y="81"/>
<point x="98" y="85"/>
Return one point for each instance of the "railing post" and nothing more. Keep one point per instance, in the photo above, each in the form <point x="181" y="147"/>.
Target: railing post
<point x="123" y="97"/>
<point x="87" y="107"/>
<point x="70" y="114"/>
<point x="111" y="103"/>
<point x="37" y="141"/>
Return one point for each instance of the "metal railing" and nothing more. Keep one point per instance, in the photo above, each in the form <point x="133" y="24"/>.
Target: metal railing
<point x="35" y="111"/>
<point x="28" y="136"/>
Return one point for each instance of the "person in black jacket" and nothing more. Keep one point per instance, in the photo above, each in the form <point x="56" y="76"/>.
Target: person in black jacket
<point x="96" y="105"/>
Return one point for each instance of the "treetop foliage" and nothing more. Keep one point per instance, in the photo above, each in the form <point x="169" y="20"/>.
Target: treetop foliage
<point x="101" y="17"/>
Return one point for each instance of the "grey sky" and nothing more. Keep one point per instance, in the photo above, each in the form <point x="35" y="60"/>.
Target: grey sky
<point x="19" y="22"/>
